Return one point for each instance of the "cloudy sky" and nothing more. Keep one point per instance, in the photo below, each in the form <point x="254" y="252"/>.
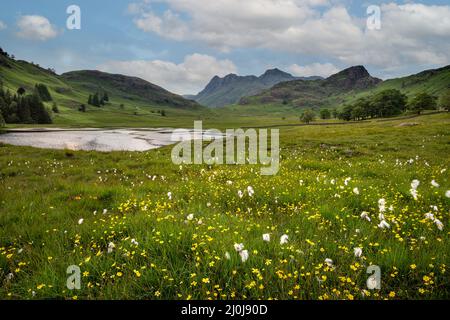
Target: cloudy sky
<point x="181" y="44"/>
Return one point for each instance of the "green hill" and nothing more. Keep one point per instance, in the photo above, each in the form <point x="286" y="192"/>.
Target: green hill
<point x="346" y="87"/>
<point x="133" y="101"/>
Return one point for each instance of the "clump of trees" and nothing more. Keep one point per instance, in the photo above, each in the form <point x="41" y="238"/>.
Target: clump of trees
<point x="422" y="101"/>
<point x="22" y="108"/>
<point x="97" y="101"/>
<point x="444" y="101"/>
<point x="386" y="103"/>
<point x="325" y="114"/>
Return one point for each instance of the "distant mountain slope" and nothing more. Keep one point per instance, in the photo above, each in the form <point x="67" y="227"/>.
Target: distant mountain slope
<point x="129" y="88"/>
<point x="230" y="89"/>
<point x="316" y="93"/>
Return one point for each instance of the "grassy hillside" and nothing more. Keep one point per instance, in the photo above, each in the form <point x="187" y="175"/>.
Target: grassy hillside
<point x="124" y="195"/>
<point x="133" y="102"/>
<point x="335" y="91"/>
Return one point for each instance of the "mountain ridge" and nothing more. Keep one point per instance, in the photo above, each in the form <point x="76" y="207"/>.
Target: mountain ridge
<point x="221" y="91"/>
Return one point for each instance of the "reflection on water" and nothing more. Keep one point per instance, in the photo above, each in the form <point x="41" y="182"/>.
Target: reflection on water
<point x="99" y="140"/>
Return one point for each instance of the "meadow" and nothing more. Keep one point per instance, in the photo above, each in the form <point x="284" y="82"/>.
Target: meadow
<point x="140" y="227"/>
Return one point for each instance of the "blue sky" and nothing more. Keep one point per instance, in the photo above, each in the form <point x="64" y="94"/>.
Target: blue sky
<point x="181" y="44"/>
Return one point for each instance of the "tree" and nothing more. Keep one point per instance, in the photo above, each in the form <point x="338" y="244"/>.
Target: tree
<point x="96" y="100"/>
<point x="163" y="113"/>
<point x="388" y="103"/>
<point x="325" y="114"/>
<point x="90" y="102"/>
<point x="444" y="101"/>
<point x="335" y="113"/>
<point x="346" y="113"/>
<point x="55" y="108"/>
<point x="2" y="121"/>
<point x="105" y="97"/>
<point x="21" y="91"/>
<point x="422" y="101"/>
<point x="82" y="108"/>
<point x="307" y="116"/>
<point x="43" y="92"/>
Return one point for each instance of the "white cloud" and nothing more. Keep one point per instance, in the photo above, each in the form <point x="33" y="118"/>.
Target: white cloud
<point x="2" y="25"/>
<point x="315" y="69"/>
<point x="35" y="27"/>
<point x="189" y="76"/>
<point x="410" y="34"/>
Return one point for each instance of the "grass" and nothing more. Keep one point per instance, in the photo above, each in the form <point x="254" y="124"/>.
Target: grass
<point x="44" y="194"/>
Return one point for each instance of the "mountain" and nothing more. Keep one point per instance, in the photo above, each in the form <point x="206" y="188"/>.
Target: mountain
<point x="315" y="93"/>
<point x="132" y="101"/>
<point x="129" y="88"/>
<point x="231" y="88"/>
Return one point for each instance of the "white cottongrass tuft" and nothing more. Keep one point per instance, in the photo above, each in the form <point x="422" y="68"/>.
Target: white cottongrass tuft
<point x="240" y="194"/>
<point x="357" y="252"/>
<point x="238" y="247"/>
<point x="384" y="225"/>
<point x="111" y="247"/>
<point x="284" y="239"/>
<point x="244" y="255"/>
<point x="365" y="215"/>
<point x="356" y="191"/>
<point x="133" y="241"/>
<point x="382" y="205"/>
<point x="329" y="262"/>
<point x="447" y="193"/>
<point x="414" y="185"/>
<point x="190" y="217"/>
<point x="266" y="237"/>
<point x="439" y="224"/>
<point x="81" y="221"/>
<point x="250" y="191"/>
<point x="435" y="184"/>
<point x="169" y="195"/>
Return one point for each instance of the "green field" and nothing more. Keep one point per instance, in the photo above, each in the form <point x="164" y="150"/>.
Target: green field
<point x="176" y="247"/>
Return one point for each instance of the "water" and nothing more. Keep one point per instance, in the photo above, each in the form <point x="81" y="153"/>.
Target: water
<point x="98" y="140"/>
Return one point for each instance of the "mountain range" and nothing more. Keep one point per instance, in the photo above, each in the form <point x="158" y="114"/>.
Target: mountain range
<point x="138" y="102"/>
<point x="230" y="89"/>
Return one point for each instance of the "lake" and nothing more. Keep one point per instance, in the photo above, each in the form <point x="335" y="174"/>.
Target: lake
<point x="96" y="139"/>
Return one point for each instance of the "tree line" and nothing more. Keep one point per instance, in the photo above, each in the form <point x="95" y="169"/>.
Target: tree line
<point x="97" y="101"/>
<point x="25" y="108"/>
<point x="384" y="104"/>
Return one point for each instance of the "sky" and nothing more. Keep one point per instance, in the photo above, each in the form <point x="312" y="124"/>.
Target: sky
<point x="181" y="44"/>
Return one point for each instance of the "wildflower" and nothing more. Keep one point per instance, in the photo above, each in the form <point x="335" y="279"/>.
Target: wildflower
<point x="266" y="237"/>
<point x="227" y="255"/>
<point x="205" y="280"/>
<point x="429" y="216"/>
<point x="392" y="294"/>
<point x="190" y="217"/>
<point x="169" y="195"/>
<point x="238" y="247"/>
<point x="347" y="181"/>
<point x="357" y="252"/>
<point x="229" y="182"/>
<point x="329" y="262"/>
<point x="111" y="247"/>
<point x="284" y="239"/>
<point x="244" y="255"/>
<point x="434" y="184"/>
<point x="240" y="194"/>
<point x="105" y="211"/>
<point x="9" y="276"/>
<point x="383" y="224"/>
<point x="80" y="221"/>
<point x="413" y="266"/>
<point x="365" y="215"/>
<point x="133" y="241"/>
<point x="250" y="191"/>
<point x="447" y="193"/>
<point x="356" y="191"/>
